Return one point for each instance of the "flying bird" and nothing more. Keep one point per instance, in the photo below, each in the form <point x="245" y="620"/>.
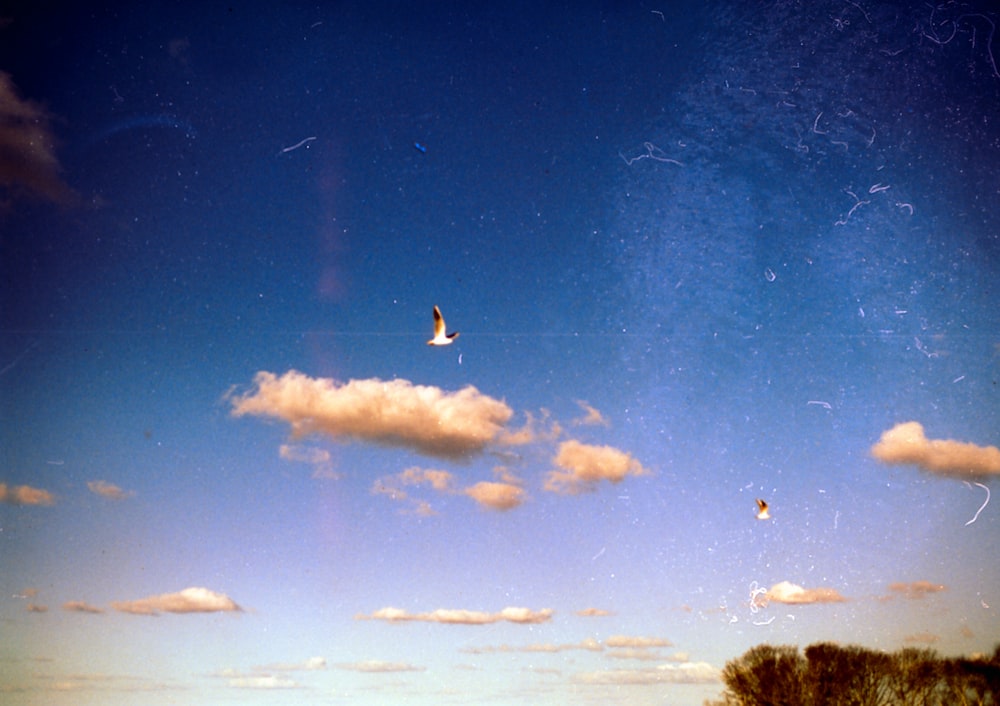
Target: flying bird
<point x="441" y="338"/>
<point x="762" y="513"/>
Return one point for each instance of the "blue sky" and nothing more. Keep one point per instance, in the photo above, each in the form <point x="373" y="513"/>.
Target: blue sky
<point x="695" y="255"/>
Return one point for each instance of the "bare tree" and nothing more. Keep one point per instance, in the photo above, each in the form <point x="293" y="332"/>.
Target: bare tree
<point x="832" y="675"/>
<point x="767" y="676"/>
<point x="847" y="676"/>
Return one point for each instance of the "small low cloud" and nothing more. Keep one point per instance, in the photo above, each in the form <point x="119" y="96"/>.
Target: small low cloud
<point x="81" y="607"/>
<point x="25" y="495"/>
<point x="684" y="673"/>
<point x="426" y="419"/>
<point x="582" y="466"/>
<point x="376" y="666"/>
<point x="190" y="600"/>
<point x="593" y="613"/>
<point x="906" y="443"/>
<point x="524" y="616"/>
<point x="108" y="490"/>
<point x="37" y="608"/>
<point x="915" y="590"/>
<point x="790" y="593"/>
<point x="496" y="496"/>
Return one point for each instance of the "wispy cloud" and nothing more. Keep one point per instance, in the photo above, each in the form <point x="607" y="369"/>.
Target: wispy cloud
<point x="108" y="490"/>
<point x="906" y="443"/>
<point x="630" y="641"/>
<point x="589" y="644"/>
<point x="318" y="458"/>
<point x="915" y="590"/>
<point x="786" y="592"/>
<point x="25" y="494"/>
<point x="593" y="613"/>
<point x="37" y="608"/>
<point x="263" y="681"/>
<point x="922" y="638"/>
<point x="190" y="600"/>
<point x="582" y="466"/>
<point x="591" y="417"/>
<point x="427" y="419"/>
<point x="461" y="617"/>
<point x="81" y="607"/>
<point x="375" y="666"/>
<point x="684" y="673"/>
<point x="28" y="160"/>
<point x="313" y="664"/>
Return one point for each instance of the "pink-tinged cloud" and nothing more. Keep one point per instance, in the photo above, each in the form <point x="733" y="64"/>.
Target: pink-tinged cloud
<point x="582" y="466"/>
<point x="426" y="419"/>
<point x="107" y="490"/>
<point x="790" y="593"/>
<point x="916" y="590"/>
<point x="377" y="667"/>
<point x="496" y="496"/>
<point x="319" y="459"/>
<point x="593" y="613"/>
<point x="190" y="600"/>
<point x="522" y="616"/>
<point x="28" y="160"/>
<point x="36" y="608"/>
<point x="25" y="494"/>
<point x="684" y="673"/>
<point x="81" y="607"/>
<point x="440" y="481"/>
<point x="641" y="642"/>
<point x="591" y="417"/>
<point x="906" y="443"/>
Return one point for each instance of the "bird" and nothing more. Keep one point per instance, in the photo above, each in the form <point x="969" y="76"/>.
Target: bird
<point x="440" y="337"/>
<point x="762" y="507"/>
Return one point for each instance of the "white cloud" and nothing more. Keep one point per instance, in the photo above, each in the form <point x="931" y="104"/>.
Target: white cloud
<point x="684" y="673"/>
<point x="190" y="600"/>
<point x="266" y="681"/>
<point x="787" y="592"/>
<point x="906" y="443"/>
<point x="426" y="419"/>
<point x="312" y="664"/>
<point x="376" y="666"/>
<point x="582" y="466"/>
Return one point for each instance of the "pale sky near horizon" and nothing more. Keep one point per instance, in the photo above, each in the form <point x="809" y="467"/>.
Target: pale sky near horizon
<point x="695" y="256"/>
